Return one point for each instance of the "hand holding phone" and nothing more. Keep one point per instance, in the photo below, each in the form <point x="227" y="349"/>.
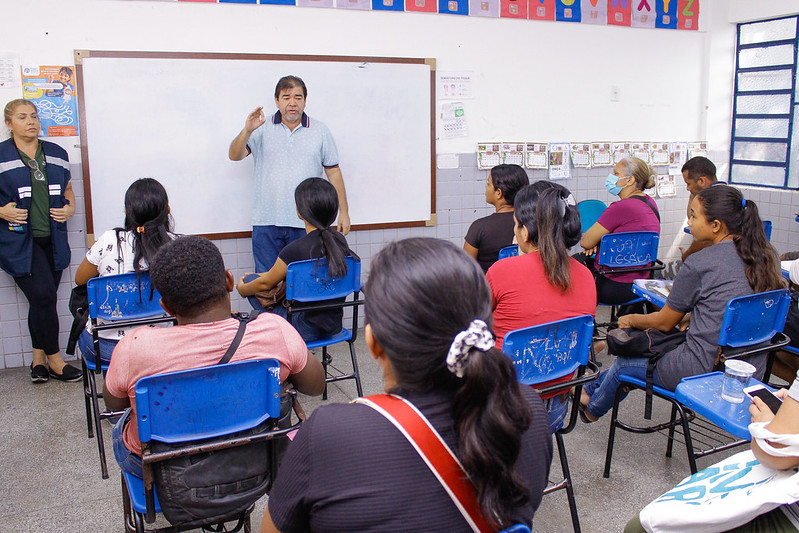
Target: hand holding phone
<point x="759" y="391"/>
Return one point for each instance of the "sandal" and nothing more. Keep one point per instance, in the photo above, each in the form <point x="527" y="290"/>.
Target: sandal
<point x="583" y="415"/>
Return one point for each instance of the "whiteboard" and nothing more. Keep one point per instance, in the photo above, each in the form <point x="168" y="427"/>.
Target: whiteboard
<point x="172" y="116"/>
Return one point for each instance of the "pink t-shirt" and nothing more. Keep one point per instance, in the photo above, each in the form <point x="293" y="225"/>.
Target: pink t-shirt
<point x="629" y="214"/>
<point x="148" y="351"/>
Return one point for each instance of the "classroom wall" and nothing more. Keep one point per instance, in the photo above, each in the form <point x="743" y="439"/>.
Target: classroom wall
<point x="534" y="81"/>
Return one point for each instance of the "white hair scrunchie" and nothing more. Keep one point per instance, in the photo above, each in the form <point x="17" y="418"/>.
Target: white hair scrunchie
<point x="477" y="335"/>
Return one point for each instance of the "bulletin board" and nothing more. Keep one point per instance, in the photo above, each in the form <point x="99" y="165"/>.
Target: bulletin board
<point x="172" y="116"/>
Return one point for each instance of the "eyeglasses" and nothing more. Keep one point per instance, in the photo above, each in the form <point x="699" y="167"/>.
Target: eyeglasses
<point x="37" y="174"/>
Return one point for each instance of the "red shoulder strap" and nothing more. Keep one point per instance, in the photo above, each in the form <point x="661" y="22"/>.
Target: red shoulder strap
<point x="435" y="453"/>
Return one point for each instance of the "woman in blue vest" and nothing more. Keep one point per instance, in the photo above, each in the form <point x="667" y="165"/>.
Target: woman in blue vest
<point x="36" y="200"/>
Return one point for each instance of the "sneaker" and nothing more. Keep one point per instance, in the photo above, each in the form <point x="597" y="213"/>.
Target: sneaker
<point x="70" y="374"/>
<point x="39" y="374"/>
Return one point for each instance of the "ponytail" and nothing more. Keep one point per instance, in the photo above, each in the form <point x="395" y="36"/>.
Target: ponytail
<point x="741" y="216"/>
<point x="147" y="217"/>
<point x="317" y="204"/>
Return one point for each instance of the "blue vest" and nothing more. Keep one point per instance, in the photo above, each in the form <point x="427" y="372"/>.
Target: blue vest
<point x="16" y="242"/>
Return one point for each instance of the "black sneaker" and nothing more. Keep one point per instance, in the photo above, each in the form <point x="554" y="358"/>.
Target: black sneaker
<point x="70" y="374"/>
<point x="39" y="374"/>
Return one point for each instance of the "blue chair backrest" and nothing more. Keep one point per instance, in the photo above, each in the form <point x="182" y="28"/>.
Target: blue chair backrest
<point x="767" y="229"/>
<point x="590" y="211"/>
<point x="509" y="251"/>
<point x="309" y="281"/>
<point x="628" y="249"/>
<point x="207" y="402"/>
<point x="753" y="319"/>
<point x="550" y="351"/>
<point x="122" y="297"/>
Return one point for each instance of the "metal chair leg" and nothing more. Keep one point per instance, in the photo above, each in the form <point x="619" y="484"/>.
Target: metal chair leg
<point x="97" y="427"/>
<point x="325" y="362"/>
<point x="672" y="423"/>
<point x="355" y="372"/>
<point x="564" y="465"/>
<point x="612" y="435"/>
<point x="87" y="397"/>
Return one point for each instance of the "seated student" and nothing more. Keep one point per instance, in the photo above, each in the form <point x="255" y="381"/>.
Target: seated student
<point x="148" y="226"/>
<point x="698" y="173"/>
<point x="488" y="235"/>
<point x="317" y="206"/>
<point x="786" y="363"/>
<point x="770" y="455"/>
<point x="195" y="287"/>
<point x="543" y="283"/>
<point x="738" y="261"/>
<point x="634" y="212"/>
<point x="428" y="313"/>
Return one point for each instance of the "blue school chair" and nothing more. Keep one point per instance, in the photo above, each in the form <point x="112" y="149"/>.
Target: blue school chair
<point x="310" y="288"/>
<point x="187" y="408"/>
<point x="115" y="302"/>
<point x="508" y="251"/>
<point x="590" y="211"/>
<point x="632" y="251"/>
<point x="548" y="352"/>
<point x="752" y="325"/>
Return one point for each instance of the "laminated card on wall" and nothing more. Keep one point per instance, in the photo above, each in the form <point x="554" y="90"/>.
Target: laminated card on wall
<point x="601" y="154"/>
<point x="659" y="154"/>
<point x="488" y="155"/>
<point x="697" y="149"/>
<point x="536" y="155"/>
<point x="642" y="152"/>
<point x="559" y="161"/>
<point x="513" y="153"/>
<point x="620" y="151"/>
<point x="581" y="155"/>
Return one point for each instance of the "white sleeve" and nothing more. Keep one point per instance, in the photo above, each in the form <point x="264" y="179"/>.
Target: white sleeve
<point x="794" y="272"/>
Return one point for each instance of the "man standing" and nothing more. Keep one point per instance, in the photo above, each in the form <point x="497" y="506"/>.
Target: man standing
<point x="698" y="173"/>
<point x="287" y="148"/>
<point x="190" y="275"/>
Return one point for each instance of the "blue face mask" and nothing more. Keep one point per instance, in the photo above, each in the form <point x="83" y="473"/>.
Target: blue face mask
<point x="610" y="184"/>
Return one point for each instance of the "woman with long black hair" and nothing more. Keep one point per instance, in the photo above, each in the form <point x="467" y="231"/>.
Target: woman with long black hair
<point x="428" y="312"/>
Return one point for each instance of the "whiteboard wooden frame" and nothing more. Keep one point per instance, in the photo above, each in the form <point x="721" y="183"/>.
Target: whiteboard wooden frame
<point x="361" y="61"/>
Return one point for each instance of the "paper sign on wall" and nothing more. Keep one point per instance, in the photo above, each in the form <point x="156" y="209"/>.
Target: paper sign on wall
<point x="594" y="12"/>
<point x="388" y="5"/>
<point x="666" y="185"/>
<point x="488" y="155"/>
<point x="354" y="4"/>
<point x="541" y="10"/>
<point x="315" y="3"/>
<point x="620" y="151"/>
<point x="424" y="6"/>
<point x="644" y="14"/>
<point x="666" y="14"/>
<point x="52" y="88"/>
<point x="513" y="153"/>
<point x="620" y="12"/>
<point x="484" y="8"/>
<point x="677" y="155"/>
<point x="642" y="152"/>
<point x="601" y="155"/>
<point x="453" y="85"/>
<point x="536" y="155"/>
<point x="567" y="10"/>
<point x="453" y="7"/>
<point x="697" y="149"/>
<point x="515" y="9"/>
<point x="688" y="14"/>
<point x="453" y="120"/>
<point x="581" y="155"/>
<point x="559" y="167"/>
<point x="659" y="154"/>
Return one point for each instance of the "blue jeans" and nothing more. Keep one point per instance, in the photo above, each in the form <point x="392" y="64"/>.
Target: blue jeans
<point x="603" y="389"/>
<point x="557" y="408"/>
<point x="86" y="346"/>
<point x="268" y="241"/>
<point x="307" y="331"/>
<point x="128" y="461"/>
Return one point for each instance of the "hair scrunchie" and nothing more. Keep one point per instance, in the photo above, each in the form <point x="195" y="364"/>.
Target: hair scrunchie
<point x="140" y="229"/>
<point x="477" y="335"/>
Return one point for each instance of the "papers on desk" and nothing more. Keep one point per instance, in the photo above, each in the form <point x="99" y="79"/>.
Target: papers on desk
<point x="654" y="290"/>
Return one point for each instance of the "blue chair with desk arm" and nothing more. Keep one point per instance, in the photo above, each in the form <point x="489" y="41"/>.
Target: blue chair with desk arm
<point x="310" y="288"/>
<point x="508" y="251"/>
<point x="553" y="351"/>
<point x="590" y="211"/>
<point x="117" y="301"/>
<point x="752" y="325"/>
<point x="199" y="411"/>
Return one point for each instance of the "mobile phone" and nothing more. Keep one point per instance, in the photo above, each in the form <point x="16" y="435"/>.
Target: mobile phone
<point x="766" y="395"/>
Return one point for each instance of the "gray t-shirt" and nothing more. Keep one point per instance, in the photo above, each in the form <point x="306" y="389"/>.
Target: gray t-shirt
<point x="707" y="281"/>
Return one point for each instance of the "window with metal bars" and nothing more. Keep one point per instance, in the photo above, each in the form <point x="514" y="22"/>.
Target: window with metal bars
<point x="765" y="115"/>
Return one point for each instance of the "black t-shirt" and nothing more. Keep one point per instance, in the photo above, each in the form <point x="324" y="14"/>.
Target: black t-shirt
<point x="328" y="322"/>
<point x="350" y="469"/>
<point x="490" y="235"/>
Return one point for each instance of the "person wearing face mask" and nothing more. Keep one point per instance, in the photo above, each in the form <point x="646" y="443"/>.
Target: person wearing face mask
<point x="635" y="211"/>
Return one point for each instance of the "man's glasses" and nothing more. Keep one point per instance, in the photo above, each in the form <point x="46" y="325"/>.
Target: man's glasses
<point x="37" y="174"/>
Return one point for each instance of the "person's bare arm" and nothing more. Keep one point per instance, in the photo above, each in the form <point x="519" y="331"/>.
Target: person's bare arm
<point x="784" y="422"/>
<point x="238" y="148"/>
<point x="86" y="271"/>
<point x="265" y="281"/>
<point x="591" y="238"/>
<point x="335" y="177"/>
<point x="664" y="320"/>
<point x="267" y="526"/>
<point x="114" y="403"/>
<point x="311" y="379"/>
<point x="469" y="249"/>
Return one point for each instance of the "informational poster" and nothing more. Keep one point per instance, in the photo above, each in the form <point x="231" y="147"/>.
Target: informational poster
<point x="688" y="14"/>
<point x="567" y="10"/>
<point x="455" y="85"/>
<point x="642" y="151"/>
<point x="484" y="8"/>
<point x="9" y="70"/>
<point x="678" y="152"/>
<point x="601" y="155"/>
<point x="644" y="14"/>
<point x="453" y="120"/>
<point x="620" y="12"/>
<point x="513" y="153"/>
<point x="542" y="10"/>
<point x="666" y="14"/>
<point x="559" y="161"/>
<point x="52" y="89"/>
<point x="515" y="9"/>
<point x="696" y="149"/>
<point x="488" y="155"/>
<point x="536" y="155"/>
<point x="581" y="155"/>
<point x="666" y="185"/>
<point x="659" y="154"/>
<point x="620" y="151"/>
<point x="594" y="12"/>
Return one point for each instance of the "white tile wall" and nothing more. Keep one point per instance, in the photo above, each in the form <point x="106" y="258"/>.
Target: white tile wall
<point x="460" y="199"/>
